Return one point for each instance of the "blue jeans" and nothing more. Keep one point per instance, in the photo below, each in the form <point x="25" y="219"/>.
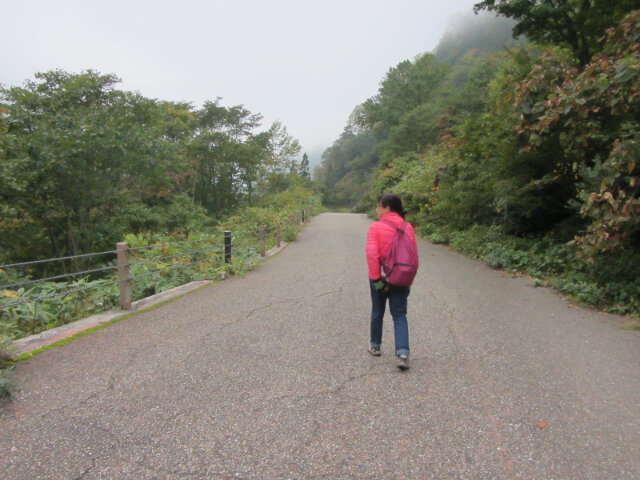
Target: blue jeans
<point x="397" y="297"/>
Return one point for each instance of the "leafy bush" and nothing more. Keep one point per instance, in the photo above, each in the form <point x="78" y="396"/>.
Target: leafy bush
<point x="176" y="214"/>
<point x="161" y="262"/>
<point x="61" y="302"/>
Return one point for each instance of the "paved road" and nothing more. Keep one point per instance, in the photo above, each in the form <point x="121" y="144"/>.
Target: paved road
<point x="267" y="377"/>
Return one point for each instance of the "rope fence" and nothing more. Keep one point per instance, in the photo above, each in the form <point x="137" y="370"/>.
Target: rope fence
<point x="242" y="245"/>
<point x="58" y="259"/>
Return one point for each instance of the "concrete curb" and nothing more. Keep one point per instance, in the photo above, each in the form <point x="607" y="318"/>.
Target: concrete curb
<point x="54" y="335"/>
<point x="48" y="337"/>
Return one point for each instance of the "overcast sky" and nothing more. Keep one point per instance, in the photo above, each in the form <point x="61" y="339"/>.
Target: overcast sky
<point x="307" y="64"/>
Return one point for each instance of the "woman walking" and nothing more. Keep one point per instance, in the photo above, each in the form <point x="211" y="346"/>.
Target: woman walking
<point x="379" y="237"/>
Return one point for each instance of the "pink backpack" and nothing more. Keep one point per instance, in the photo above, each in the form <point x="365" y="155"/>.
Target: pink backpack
<point x="400" y="265"/>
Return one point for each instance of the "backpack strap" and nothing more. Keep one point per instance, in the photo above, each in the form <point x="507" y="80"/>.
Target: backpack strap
<point x="389" y="222"/>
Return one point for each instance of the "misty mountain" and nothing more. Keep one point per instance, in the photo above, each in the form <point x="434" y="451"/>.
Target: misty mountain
<point x="482" y="34"/>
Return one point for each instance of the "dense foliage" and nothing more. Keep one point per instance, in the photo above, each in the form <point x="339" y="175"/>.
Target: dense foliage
<point x="527" y="158"/>
<point x="85" y="163"/>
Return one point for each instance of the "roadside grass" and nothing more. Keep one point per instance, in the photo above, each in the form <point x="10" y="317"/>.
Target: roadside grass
<point x="6" y="372"/>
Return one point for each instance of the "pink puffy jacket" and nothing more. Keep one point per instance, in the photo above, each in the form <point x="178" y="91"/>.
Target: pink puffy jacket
<point x="379" y="239"/>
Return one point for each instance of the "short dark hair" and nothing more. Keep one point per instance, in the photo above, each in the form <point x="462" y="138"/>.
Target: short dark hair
<point x="392" y="201"/>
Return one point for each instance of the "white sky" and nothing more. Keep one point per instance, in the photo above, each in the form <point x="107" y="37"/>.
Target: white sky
<point x="307" y="64"/>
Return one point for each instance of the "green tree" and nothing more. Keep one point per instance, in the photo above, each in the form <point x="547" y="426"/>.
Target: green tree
<point x="304" y="167"/>
<point x="593" y="116"/>
<point x="80" y="149"/>
<point x="401" y="112"/>
<point x="282" y="149"/>
<point x="280" y="169"/>
<point x="576" y="24"/>
<point x="175" y="125"/>
<point x="469" y="169"/>
<point x="225" y="154"/>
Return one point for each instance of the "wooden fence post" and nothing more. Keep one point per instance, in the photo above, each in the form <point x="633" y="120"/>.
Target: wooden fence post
<point x="227" y="246"/>
<point x="123" y="275"/>
<point x="262" y="242"/>
<point x="278" y="234"/>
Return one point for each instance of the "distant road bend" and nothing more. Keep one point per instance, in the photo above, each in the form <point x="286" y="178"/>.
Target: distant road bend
<point x="266" y="376"/>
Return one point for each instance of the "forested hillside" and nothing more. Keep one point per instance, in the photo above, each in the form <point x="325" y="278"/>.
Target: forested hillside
<point x="523" y="153"/>
<point x="429" y="82"/>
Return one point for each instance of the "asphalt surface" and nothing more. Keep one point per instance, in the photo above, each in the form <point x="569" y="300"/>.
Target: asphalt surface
<point x="266" y="376"/>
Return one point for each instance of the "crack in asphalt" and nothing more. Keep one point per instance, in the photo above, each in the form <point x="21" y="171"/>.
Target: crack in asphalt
<point x="86" y="471"/>
<point x="324" y="294"/>
<point x="292" y="302"/>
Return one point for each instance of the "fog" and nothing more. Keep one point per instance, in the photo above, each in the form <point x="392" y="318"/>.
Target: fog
<point x="305" y="64"/>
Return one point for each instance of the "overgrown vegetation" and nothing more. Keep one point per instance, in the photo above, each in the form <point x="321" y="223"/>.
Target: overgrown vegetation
<point x="158" y="262"/>
<point x="526" y="158"/>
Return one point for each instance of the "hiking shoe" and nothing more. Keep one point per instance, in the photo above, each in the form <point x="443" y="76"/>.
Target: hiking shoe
<point x="403" y="362"/>
<point x="375" y="351"/>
